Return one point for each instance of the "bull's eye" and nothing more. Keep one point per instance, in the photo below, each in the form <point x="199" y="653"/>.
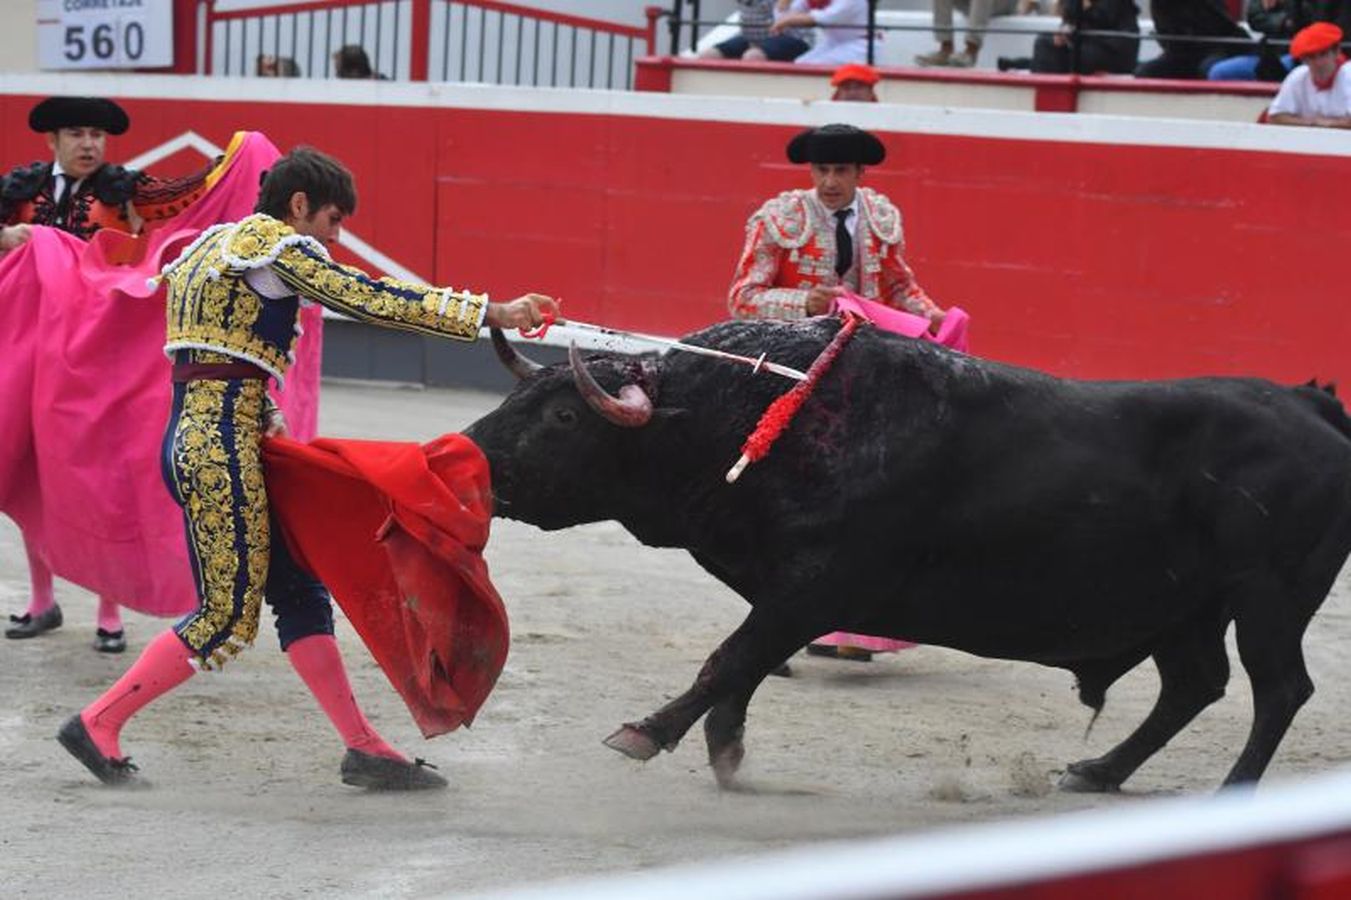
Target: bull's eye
<point x="564" y="415"/>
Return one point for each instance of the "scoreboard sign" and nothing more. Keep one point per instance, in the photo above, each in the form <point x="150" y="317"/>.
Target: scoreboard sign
<point x="105" y="34"/>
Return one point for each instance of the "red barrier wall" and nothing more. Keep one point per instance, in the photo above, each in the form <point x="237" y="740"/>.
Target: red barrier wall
<point x="1074" y="256"/>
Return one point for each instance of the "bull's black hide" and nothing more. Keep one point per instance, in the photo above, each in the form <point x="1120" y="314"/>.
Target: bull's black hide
<point x="960" y="502"/>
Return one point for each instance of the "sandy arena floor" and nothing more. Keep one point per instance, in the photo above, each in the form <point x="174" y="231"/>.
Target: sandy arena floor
<point x="246" y="799"/>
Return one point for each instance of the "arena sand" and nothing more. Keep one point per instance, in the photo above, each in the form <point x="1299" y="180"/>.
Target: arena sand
<point x="246" y="799"/>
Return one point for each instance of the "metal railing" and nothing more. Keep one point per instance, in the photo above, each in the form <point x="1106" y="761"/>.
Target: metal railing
<point x="677" y="23"/>
<point x="306" y="35"/>
<point x="687" y="30"/>
<point x="501" y="43"/>
<point x="446" y="40"/>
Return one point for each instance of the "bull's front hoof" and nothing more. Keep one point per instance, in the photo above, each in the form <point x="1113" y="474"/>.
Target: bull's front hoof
<point x="633" y="743"/>
<point x="725" y="763"/>
<point x="1085" y="778"/>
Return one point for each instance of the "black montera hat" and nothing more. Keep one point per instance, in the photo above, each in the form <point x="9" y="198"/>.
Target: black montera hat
<point x="76" y="112"/>
<point x="836" y="144"/>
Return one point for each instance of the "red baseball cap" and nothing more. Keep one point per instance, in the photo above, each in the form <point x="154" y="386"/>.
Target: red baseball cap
<point x="867" y="74"/>
<point x="1315" y="38"/>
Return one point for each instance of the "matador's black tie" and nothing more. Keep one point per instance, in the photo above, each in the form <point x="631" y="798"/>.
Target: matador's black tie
<point x="844" y="244"/>
<point x="67" y="190"/>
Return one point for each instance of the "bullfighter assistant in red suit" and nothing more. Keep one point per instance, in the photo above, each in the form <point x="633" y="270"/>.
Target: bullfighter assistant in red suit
<point x="807" y="246"/>
<point x="79" y="193"/>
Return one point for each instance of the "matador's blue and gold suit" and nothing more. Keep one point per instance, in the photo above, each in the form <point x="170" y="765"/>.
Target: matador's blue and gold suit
<point x="233" y="299"/>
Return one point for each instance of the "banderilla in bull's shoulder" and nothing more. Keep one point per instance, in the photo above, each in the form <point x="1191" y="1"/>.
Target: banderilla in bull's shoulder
<point x="756" y="363"/>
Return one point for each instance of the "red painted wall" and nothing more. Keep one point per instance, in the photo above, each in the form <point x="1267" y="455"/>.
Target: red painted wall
<point x="1083" y="259"/>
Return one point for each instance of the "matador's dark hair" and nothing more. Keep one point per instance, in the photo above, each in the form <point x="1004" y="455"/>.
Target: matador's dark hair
<point x="322" y="178"/>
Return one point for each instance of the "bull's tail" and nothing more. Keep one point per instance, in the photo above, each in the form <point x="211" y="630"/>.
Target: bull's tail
<point x="1323" y="399"/>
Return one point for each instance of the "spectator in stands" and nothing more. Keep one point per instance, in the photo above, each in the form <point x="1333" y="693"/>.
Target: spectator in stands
<point x="269" y="66"/>
<point x="755" y="43"/>
<point x="1338" y="12"/>
<point x="1056" y="52"/>
<point x="1191" y="59"/>
<point x="351" y="61"/>
<point x="854" y="81"/>
<point x="1317" y="93"/>
<point x="978" y="14"/>
<point x="1278" y="19"/>
<point x="843" y="24"/>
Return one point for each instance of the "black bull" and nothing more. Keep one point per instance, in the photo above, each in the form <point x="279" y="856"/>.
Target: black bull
<point x="959" y="502"/>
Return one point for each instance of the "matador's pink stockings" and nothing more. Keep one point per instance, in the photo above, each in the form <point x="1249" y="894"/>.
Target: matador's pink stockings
<point x="40" y="580"/>
<point x="317" y="660"/>
<point x="163" y="665"/>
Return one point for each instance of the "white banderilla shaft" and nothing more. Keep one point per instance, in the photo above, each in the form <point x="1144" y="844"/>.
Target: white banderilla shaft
<point x="755" y="363"/>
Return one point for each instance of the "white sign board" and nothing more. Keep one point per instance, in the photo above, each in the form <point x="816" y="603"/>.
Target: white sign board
<point x="105" y="34"/>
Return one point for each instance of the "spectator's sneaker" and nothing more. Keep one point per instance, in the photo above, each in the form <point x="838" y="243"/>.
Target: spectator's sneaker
<point x="939" y="57"/>
<point x="26" y="626"/>
<point x="380" y="773"/>
<point x="110" y="641"/>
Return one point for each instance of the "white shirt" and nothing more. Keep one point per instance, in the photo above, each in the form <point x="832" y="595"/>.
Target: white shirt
<point x="63" y="184"/>
<point x="1299" y="97"/>
<point x="837" y="45"/>
<point x="851" y="220"/>
<point x="850" y="223"/>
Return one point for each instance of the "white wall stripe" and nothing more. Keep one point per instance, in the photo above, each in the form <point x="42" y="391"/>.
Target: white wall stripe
<point x="979" y="123"/>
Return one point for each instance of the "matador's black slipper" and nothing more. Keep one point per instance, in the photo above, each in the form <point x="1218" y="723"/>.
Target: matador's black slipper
<point x="380" y="773"/>
<point x="117" y="772"/>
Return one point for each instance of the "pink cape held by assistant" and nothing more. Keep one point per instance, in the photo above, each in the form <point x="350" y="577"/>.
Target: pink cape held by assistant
<point x="952" y="333"/>
<point x="85" y="392"/>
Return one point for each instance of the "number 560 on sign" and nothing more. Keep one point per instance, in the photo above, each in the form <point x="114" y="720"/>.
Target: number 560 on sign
<point x="105" y="34"/>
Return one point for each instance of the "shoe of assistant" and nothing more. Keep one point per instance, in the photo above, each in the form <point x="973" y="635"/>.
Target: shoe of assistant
<point x="26" y="626"/>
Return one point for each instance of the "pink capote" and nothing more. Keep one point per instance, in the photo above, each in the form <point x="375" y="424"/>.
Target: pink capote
<point x="952" y="333"/>
<point x="85" y="394"/>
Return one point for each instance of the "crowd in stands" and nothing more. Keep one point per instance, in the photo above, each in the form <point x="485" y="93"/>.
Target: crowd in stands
<point x="349" y="61"/>
<point x="1094" y="37"/>
<point x="1197" y="40"/>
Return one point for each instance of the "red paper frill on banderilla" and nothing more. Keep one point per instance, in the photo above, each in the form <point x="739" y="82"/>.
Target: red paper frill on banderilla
<point x="396" y="532"/>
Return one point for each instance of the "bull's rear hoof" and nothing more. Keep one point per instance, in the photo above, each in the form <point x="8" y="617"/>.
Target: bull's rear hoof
<point x="725" y="763"/>
<point x="633" y="743"/>
<point x="1081" y="778"/>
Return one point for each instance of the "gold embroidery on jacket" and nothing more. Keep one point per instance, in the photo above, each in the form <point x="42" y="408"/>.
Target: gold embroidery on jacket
<point x="212" y="306"/>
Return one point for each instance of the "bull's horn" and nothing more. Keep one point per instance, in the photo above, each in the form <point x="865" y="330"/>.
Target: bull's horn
<point x="631" y="409"/>
<point x="519" y="365"/>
